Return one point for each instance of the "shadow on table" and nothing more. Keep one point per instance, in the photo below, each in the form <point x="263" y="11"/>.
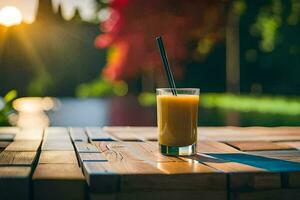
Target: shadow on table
<point x="269" y="164"/>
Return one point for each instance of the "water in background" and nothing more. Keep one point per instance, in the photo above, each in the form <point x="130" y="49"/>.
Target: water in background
<point x="125" y="111"/>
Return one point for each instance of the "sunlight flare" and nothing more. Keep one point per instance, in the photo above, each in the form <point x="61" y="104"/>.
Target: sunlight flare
<point x="10" y="16"/>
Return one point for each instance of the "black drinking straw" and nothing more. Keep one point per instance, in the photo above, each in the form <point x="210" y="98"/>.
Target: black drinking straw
<point x="165" y="61"/>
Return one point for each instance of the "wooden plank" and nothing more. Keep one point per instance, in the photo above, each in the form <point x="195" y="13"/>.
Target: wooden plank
<point x="248" y="134"/>
<point x="9" y="158"/>
<point x="29" y="134"/>
<point x="142" y="176"/>
<point x="287" y="155"/>
<point x="103" y="196"/>
<point x="9" y="129"/>
<point x="141" y="133"/>
<point x="287" y="162"/>
<point x="58" y="172"/>
<point x="117" y="151"/>
<point x="78" y="134"/>
<point x="58" y="157"/>
<point x="260" y="160"/>
<point x="98" y="134"/>
<point x="126" y="136"/>
<point x="148" y="151"/>
<point x="279" y="194"/>
<point x="293" y="144"/>
<point x="63" y="137"/>
<point x="7" y="137"/>
<point x="58" y="181"/>
<point x="130" y="128"/>
<point x="57" y="145"/>
<point x="24" y="145"/>
<point x="254" y="180"/>
<point x="242" y="176"/>
<point x="8" y="133"/>
<point x="291" y="179"/>
<point x="57" y="133"/>
<point x="100" y="179"/>
<point x="185" y="168"/>
<point x="148" y="136"/>
<point x="221" y="165"/>
<point x="4" y="144"/>
<point x="102" y="146"/>
<point x="259" y="145"/>
<point x="106" y="176"/>
<point x="84" y="147"/>
<point x="229" y="133"/>
<point x="92" y="157"/>
<point x="14" y="179"/>
<point x="214" y="147"/>
<point x="174" y="195"/>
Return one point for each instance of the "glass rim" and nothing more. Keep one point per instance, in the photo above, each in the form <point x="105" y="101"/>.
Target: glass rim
<point x="178" y="89"/>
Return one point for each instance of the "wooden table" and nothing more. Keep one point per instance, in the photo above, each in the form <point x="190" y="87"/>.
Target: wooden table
<point x="124" y="163"/>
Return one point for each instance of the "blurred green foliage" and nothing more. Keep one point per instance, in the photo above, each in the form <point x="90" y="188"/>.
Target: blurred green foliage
<point x="270" y="18"/>
<point x="241" y="103"/>
<point x="239" y="7"/>
<point x="102" y="88"/>
<point x="248" y="103"/>
<point x="5" y="106"/>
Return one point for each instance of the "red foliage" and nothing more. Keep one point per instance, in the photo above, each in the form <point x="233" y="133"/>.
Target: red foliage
<point x="133" y="25"/>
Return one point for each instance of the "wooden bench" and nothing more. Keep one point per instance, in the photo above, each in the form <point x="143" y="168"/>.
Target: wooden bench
<point x="124" y="163"/>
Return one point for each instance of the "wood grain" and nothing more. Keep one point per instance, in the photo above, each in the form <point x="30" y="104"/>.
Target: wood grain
<point x="23" y="145"/>
<point x="174" y="195"/>
<point x="4" y="144"/>
<point x="123" y="163"/>
<point x="259" y="145"/>
<point x="100" y="179"/>
<point x="141" y="133"/>
<point x="241" y="176"/>
<point x="279" y="194"/>
<point x="126" y="136"/>
<point x="102" y="196"/>
<point x="78" y="134"/>
<point x="92" y="157"/>
<point x="138" y="177"/>
<point x="142" y="176"/>
<point x="13" y="158"/>
<point x="117" y="151"/>
<point x="287" y="155"/>
<point x="292" y="144"/>
<point x="214" y="147"/>
<point x="291" y="179"/>
<point x="58" y="181"/>
<point x="84" y="147"/>
<point x="221" y="165"/>
<point x="148" y="151"/>
<point x="15" y="183"/>
<point x="249" y="133"/>
<point x="57" y="145"/>
<point x="130" y="128"/>
<point x="57" y="134"/>
<point x="58" y="157"/>
<point x="98" y="134"/>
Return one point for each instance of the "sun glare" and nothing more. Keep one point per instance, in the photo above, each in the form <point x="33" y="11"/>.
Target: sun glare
<point x="10" y="16"/>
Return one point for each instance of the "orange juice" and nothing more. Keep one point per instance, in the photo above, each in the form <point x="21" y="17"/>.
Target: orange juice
<point x="177" y="118"/>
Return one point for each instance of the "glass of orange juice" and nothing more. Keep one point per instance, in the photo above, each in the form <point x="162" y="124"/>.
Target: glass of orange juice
<point x="177" y="118"/>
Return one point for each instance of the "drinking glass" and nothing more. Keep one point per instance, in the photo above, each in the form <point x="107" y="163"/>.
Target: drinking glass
<point x="177" y="118"/>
